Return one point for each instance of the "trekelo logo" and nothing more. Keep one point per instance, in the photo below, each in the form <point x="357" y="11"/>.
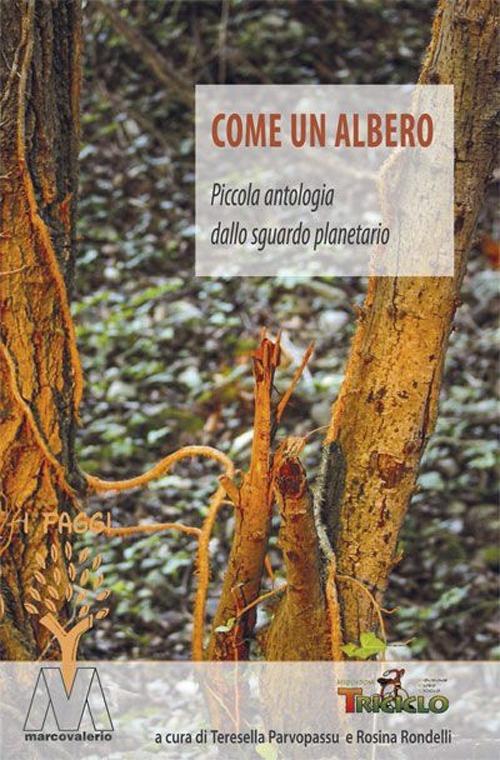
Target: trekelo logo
<point x="392" y="697"/>
<point x="52" y="704"/>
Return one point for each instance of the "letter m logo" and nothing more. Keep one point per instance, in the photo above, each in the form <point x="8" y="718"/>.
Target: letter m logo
<point x="50" y="696"/>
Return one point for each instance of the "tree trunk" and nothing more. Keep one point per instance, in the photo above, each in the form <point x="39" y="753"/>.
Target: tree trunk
<point x="40" y="376"/>
<point x="387" y="406"/>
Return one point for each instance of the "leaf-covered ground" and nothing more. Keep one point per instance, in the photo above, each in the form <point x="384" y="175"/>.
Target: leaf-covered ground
<point x="167" y="356"/>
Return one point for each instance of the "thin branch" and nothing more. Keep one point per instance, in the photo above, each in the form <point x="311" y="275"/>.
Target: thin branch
<point x="295" y="380"/>
<point x="203" y="563"/>
<point x="97" y="485"/>
<point x="269" y="568"/>
<point x="260" y="599"/>
<point x="376" y="605"/>
<point x="13" y="271"/>
<point x="134" y="530"/>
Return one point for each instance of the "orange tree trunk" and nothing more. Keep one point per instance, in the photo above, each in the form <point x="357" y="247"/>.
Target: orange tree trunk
<point x="388" y="402"/>
<point x="40" y="380"/>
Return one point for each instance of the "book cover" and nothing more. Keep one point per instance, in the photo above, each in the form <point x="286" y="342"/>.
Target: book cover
<point x="248" y="379"/>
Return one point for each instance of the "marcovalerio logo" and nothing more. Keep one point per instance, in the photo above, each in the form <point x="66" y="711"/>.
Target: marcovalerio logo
<point x="392" y="697"/>
<point x="67" y="699"/>
<point x="52" y="707"/>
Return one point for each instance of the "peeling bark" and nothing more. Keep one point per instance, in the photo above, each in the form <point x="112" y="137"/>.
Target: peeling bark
<point x="252" y="505"/>
<point x="300" y="628"/>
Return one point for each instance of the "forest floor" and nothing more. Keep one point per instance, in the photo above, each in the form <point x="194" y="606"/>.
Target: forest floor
<point x="167" y="356"/>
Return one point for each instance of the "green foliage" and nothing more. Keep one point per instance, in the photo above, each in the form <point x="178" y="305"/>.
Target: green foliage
<point x="267" y="751"/>
<point x="229" y="625"/>
<point x="369" y="646"/>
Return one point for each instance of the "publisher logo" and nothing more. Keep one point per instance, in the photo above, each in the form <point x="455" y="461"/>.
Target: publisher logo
<point x="50" y="701"/>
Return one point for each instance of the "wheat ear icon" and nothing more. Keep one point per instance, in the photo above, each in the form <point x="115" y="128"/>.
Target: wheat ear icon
<point x="50" y="589"/>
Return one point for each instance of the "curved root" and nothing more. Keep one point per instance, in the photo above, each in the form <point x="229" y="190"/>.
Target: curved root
<point x="97" y="485"/>
<point x="202" y="534"/>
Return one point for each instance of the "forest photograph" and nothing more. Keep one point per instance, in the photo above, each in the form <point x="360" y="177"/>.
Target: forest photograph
<point x="235" y="468"/>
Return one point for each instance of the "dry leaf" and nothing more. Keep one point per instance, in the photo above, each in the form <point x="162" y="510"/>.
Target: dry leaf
<point x="40" y="560"/>
<point x="54" y="552"/>
<point x="57" y="575"/>
<point x="81" y="597"/>
<point x="31" y="608"/>
<point x="102" y="613"/>
<point x="68" y="550"/>
<point x="71" y="571"/>
<point x="97" y="562"/>
<point x="69" y="592"/>
<point x="53" y="592"/>
<point x="102" y="595"/>
<point x="2" y="607"/>
<point x="84" y="611"/>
